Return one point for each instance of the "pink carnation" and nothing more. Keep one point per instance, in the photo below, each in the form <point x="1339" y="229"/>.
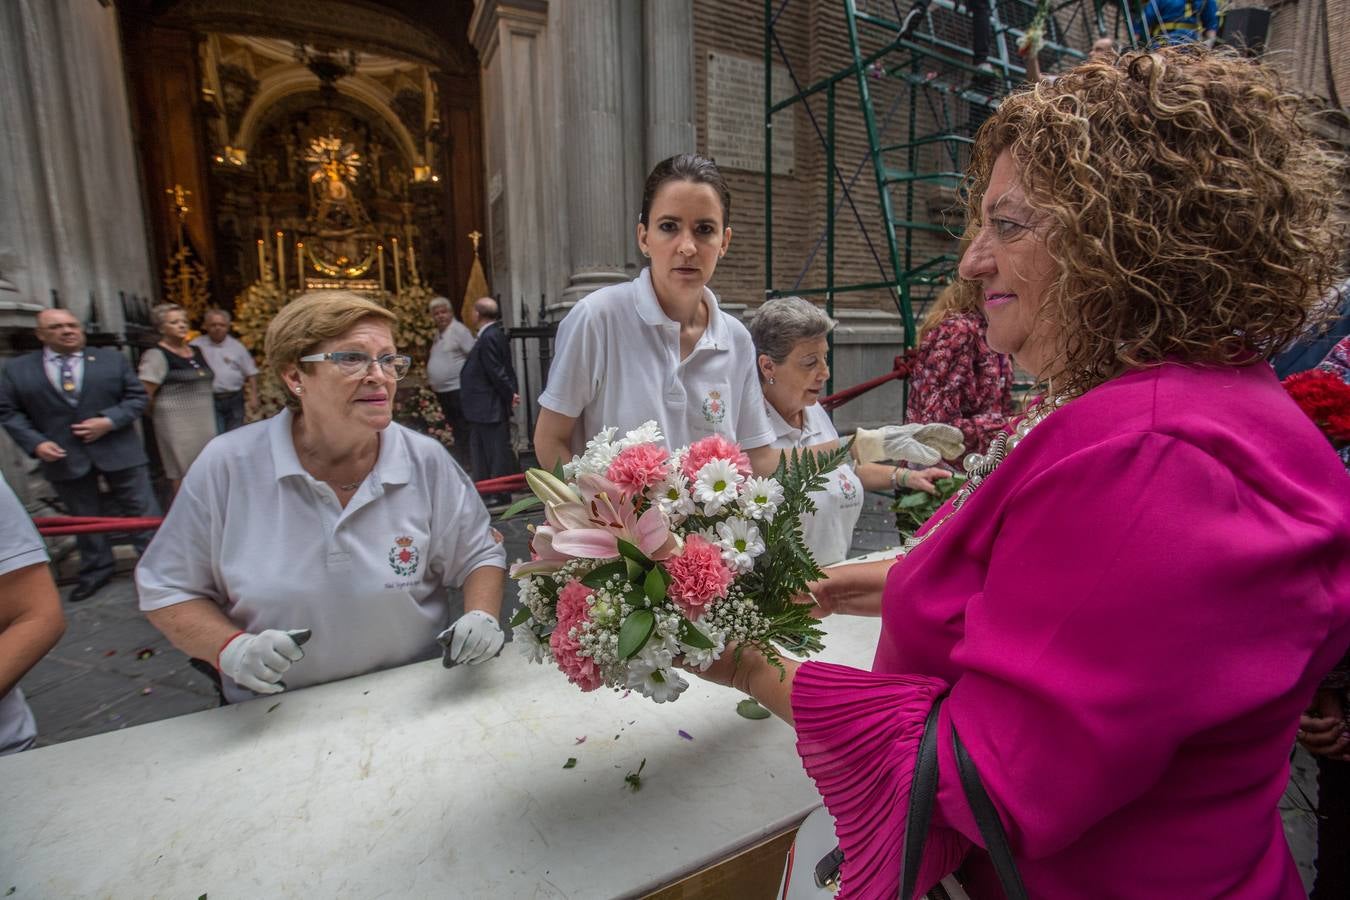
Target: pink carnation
<point x="639" y="467"/>
<point x="573" y="611"/>
<point x="714" y="447"/>
<point x="698" y="576"/>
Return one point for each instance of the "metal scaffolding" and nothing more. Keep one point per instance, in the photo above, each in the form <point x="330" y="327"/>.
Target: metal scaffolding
<point x="913" y="73"/>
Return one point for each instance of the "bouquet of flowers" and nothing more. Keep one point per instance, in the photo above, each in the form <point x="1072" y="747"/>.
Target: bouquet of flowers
<point x="1325" y="398"/>
<point x="648" y="556"/>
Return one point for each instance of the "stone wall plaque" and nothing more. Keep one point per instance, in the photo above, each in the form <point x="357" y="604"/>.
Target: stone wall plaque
<point x="735" y="92"/>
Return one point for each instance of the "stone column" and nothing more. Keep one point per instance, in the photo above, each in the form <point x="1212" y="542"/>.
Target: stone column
<point x="668" y="58"/>
<point x="71" y="217"/>
<point x="593" y="145"/>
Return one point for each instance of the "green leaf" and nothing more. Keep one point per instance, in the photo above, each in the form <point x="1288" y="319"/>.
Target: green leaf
<point x="520" y="506"/>
<point x="749" y="709"/>
<point x="912" y="499"/>
<point x="634" y="632"/>
<point x="690" y="635"/>
<point x="557" y="470"/>
<point x="520" y="618"/>
<point x="634" y="779"/>
<point x="596" y="577"/>
<point x="655" y="586"/>
<point x="628" y="551"/>
<point x="571" y="763"/>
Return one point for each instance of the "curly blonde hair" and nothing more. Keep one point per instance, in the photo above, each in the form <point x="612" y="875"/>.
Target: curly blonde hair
<point x="1189" y="208"/>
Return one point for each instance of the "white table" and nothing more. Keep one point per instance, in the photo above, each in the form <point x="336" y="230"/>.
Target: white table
<point x="414" y="782"/>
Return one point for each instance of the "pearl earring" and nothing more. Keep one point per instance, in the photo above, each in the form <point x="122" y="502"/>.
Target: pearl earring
<point x="297" y="388"/>
<point x="771" y="381"/>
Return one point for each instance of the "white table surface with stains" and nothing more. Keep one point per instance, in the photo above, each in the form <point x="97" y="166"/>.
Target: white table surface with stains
<point x="413" y="782"/>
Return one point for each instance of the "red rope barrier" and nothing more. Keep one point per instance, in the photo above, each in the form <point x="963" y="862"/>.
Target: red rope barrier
<point x="55" y="526"/>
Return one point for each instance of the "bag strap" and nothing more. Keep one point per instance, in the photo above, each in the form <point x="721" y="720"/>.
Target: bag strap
<point x="922" y="795"/>
<point x="986" y="818"/>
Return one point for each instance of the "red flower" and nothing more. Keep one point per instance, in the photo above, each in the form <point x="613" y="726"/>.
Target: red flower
<point x="1325" y="399"/>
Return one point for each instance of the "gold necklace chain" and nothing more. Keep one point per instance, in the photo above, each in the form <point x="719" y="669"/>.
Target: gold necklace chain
<point x="980" y="466"/>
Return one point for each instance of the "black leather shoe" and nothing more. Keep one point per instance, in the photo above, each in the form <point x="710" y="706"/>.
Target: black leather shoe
<point x="83" y="591"/>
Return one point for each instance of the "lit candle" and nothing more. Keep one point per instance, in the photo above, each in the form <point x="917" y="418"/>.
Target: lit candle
<point x="398" y="276"/>
<point x="300" y="265"/>
<point x="379" y="253"/>
<point x="262" y="260"/>
<point x="281" y="261"/>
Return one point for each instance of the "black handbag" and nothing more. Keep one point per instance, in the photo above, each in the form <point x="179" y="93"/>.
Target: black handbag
<point x="922" y="795"/>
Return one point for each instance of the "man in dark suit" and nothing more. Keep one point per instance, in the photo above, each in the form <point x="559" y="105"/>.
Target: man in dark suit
<point x="74" y="407"/>
<point x="488" y="393"/>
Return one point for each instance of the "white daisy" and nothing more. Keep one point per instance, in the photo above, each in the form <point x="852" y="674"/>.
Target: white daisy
<point x="532" y="646"/>
<point x="761" y="497"/>
<point x="741" y="542"/>
<point x="701" y="659"/>
<point x="716" y="485"/>
<point x="672" y="496"/>
<point x="659" y="682"/>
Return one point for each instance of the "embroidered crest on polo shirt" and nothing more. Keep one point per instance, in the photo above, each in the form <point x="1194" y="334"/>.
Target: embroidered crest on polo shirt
<point x="714" y="410"/>
<point x="847" y="487"/>
<point x="403" y="556"/>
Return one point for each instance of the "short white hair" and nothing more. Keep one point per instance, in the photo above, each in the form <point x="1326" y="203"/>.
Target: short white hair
<point x="437" y="302"/>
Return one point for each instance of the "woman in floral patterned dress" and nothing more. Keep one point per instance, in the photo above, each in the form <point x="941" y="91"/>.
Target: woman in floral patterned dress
<point x="956" y="378"/>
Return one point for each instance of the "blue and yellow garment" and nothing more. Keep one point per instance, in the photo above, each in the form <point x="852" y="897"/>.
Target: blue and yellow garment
<point x="1178" y="21"/>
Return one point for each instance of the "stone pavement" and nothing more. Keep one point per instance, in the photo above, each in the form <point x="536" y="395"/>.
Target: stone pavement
<point x="112" y="669"/>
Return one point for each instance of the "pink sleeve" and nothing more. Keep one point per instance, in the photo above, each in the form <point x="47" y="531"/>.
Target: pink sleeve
<point x="858" y="733"/>
<point x="1139" y="597"/>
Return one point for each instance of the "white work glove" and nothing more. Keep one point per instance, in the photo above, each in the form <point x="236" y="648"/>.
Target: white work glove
<point x="926" y="445"/>
<point x="257" y="661"/>
<point x="474" y="638"/>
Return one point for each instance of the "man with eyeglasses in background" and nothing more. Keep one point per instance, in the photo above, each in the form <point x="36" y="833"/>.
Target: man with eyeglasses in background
<point x="73" y="407"/>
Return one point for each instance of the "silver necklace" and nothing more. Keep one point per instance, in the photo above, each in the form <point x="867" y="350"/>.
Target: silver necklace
<point x="980" y="466"/>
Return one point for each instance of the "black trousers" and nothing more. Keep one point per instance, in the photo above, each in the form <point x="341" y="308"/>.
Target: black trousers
<point x="229" y="411"/>
<point x="979" y="29"/>
<point x="490" y="447"/>
<point x="1333" y="831"/>
<point x="459" y="427"/>
<point x="129" y="494"/>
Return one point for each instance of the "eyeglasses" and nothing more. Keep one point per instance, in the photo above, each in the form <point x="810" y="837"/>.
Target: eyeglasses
<point x="353" y="362"/>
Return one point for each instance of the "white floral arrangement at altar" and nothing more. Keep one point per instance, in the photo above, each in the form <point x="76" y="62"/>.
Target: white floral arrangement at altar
<point x="649" y="557"/>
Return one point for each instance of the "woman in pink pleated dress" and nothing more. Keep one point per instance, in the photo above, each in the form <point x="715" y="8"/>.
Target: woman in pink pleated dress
<point x="1134" y="604"/>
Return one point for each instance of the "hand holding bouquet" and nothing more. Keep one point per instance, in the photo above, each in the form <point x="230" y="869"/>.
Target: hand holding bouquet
<point x="648" y="556"/>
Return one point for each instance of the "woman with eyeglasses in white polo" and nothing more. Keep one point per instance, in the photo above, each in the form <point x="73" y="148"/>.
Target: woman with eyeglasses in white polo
<point x="328" y="525"/>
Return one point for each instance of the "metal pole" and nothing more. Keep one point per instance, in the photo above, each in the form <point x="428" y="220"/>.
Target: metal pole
<point x="768" y="147"/>
<point x="829" y="231"/>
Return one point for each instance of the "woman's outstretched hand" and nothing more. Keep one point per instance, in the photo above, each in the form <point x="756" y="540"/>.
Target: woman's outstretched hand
<point x="924" y="479"/>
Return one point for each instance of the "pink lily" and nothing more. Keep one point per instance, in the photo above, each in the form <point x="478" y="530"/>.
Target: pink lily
<point x="544" y="559"/>
<point x="609" y="515"/>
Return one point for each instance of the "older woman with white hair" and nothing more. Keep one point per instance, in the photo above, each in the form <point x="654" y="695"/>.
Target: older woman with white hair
<point x="328" y="519"/>
<point x="791" y="347"/>
<point x="445" y="361"/>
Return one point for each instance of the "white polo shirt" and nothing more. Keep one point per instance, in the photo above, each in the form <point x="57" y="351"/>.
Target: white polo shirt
<point x="20" y="547"/>
<point x="256" y="533"/>
<point x="231" y="363"/>
<point x="447" y="357"/>
<point x="617" y="363"/>
<point x="828" y="530"/>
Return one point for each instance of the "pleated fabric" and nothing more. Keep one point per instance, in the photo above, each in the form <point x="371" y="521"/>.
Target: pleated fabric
<point x="858" y="736"/>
